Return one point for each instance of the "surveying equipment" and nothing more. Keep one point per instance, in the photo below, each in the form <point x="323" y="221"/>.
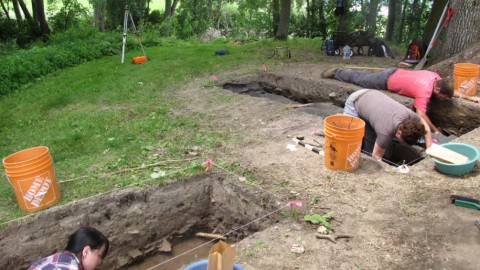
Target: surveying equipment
<point x="140" y="59"/>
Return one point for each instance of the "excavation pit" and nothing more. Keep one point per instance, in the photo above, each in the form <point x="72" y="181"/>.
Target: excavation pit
<point x="143" y="222"/>
<point x="324" y="97"/>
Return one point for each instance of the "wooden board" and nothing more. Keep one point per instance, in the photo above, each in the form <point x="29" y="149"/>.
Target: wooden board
<point x="446" y="155"/>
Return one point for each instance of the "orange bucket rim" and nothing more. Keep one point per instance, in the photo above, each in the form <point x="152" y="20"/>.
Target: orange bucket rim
<point x="6" y="159"/>
<point x="359" y="123"/>
<point x="14" y="166"/>
<point x="29" y="171"/>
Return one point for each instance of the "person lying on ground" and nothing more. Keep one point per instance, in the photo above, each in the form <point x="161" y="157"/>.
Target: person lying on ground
<point x="85" y="250"/>
<point x="422" y="85"/>
<point x="386" y="122"/>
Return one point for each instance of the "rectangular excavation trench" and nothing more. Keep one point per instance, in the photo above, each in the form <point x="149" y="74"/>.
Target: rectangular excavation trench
<point x="325" y="97"/>
<point x="140" y="222"/>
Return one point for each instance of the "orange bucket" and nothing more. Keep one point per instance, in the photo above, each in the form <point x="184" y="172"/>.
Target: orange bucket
<point x="465" y="78"/>
<point x="139" y="59"/>
<point x="32" y="176"/>
<point x="343" y="142"/>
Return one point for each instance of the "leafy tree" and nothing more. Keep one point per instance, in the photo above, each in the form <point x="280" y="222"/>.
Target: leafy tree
<point x="312" y="23"/>
<point x="251" y="17"/>
<point x="155" y="17"/>
<point x="115" y="11"/>
<point x="66" y="16"/>
<point x="196" y="16"/>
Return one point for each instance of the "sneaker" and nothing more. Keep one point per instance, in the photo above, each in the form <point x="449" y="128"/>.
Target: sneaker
<point x="329" y="73"/>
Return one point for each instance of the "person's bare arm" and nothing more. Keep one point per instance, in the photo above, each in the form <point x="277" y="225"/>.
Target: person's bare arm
<point x="428" y="135"/>
<point x="467" y="97"/>
<point x="377" y="152"/>
<point x="424" y="116"/>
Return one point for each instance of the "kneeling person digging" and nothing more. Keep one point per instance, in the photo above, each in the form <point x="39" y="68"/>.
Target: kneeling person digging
<point x="390" y="127"/>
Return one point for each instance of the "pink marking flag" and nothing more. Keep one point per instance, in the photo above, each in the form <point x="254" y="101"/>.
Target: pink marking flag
<point x="208" y="164"/>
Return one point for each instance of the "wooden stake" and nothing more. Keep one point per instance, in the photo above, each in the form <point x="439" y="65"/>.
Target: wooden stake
<point x="210" y="235"/>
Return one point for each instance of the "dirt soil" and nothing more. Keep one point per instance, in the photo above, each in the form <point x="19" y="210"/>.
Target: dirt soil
<point x="398" y="221"/>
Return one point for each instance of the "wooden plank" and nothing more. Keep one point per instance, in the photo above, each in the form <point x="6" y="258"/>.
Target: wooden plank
<point x="446" y="155"/>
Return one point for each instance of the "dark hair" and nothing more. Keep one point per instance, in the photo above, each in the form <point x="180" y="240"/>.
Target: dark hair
<point x="87" y="236"/>
<point x="412" y="131"/>
<point x="445" y="87"/>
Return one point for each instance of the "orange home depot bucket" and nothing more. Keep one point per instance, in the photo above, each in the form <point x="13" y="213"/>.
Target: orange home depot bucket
<point x="465" y="78"/>
<point x="32" y="176"/>
<point x="139" y="59"/>
<point x="343" y="142"/>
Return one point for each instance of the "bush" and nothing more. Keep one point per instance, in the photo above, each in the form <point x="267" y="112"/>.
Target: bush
<point x="20" y="67"/>
<point x="155" y="17"/>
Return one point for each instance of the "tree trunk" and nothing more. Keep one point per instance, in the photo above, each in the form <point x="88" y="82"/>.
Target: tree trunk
<point x="412" y="18"/>
<point x="416" y="33"/>
<point x="402" y="22"/>
<point x="282" y="31"/>
<point x="460" y="32"/>
<point x="41" y="19"/>
<point x="342" y="23"/>
<point x="34" y="28"/>
<point x="18" y="14"/>
<point x="174" y="7"/>
<point x="219" y="15"/>
<point x="99" y="8"/>
<point x="392" y="5"/>
<point x="170" y="8"/>
<point x="275" y="15"/>
<point x="372" y="17"/>
<point x="5" y="10"/>
<point x="342" y="20"/>
<point x="309" y="23"/>
<point x="435" y="14"/>
<point x="34" y="11"/>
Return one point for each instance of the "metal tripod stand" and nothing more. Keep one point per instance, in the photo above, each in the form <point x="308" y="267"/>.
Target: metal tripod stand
<point x="125" y="28"/>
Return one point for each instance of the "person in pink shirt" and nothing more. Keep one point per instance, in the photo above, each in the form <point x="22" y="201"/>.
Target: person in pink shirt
<point x="422" y="85"/>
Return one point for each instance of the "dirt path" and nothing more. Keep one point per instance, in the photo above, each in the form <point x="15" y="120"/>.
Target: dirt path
<point x="398" y="221"/>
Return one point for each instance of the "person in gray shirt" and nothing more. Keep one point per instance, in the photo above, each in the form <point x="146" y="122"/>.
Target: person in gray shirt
<point x="386" y="121"/>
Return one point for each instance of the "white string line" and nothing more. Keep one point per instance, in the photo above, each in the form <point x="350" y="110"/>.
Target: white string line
<point x="231" y="231"/>
<point x="130" y="169"/>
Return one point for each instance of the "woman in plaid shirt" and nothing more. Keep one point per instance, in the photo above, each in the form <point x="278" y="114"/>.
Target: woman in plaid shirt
<point x="85" y="250"/>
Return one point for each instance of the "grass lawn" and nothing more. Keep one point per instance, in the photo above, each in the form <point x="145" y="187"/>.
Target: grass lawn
<point x="102" y="118"/>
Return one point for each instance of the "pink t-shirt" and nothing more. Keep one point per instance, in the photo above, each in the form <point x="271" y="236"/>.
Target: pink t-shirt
<point x="417" y="84"/>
